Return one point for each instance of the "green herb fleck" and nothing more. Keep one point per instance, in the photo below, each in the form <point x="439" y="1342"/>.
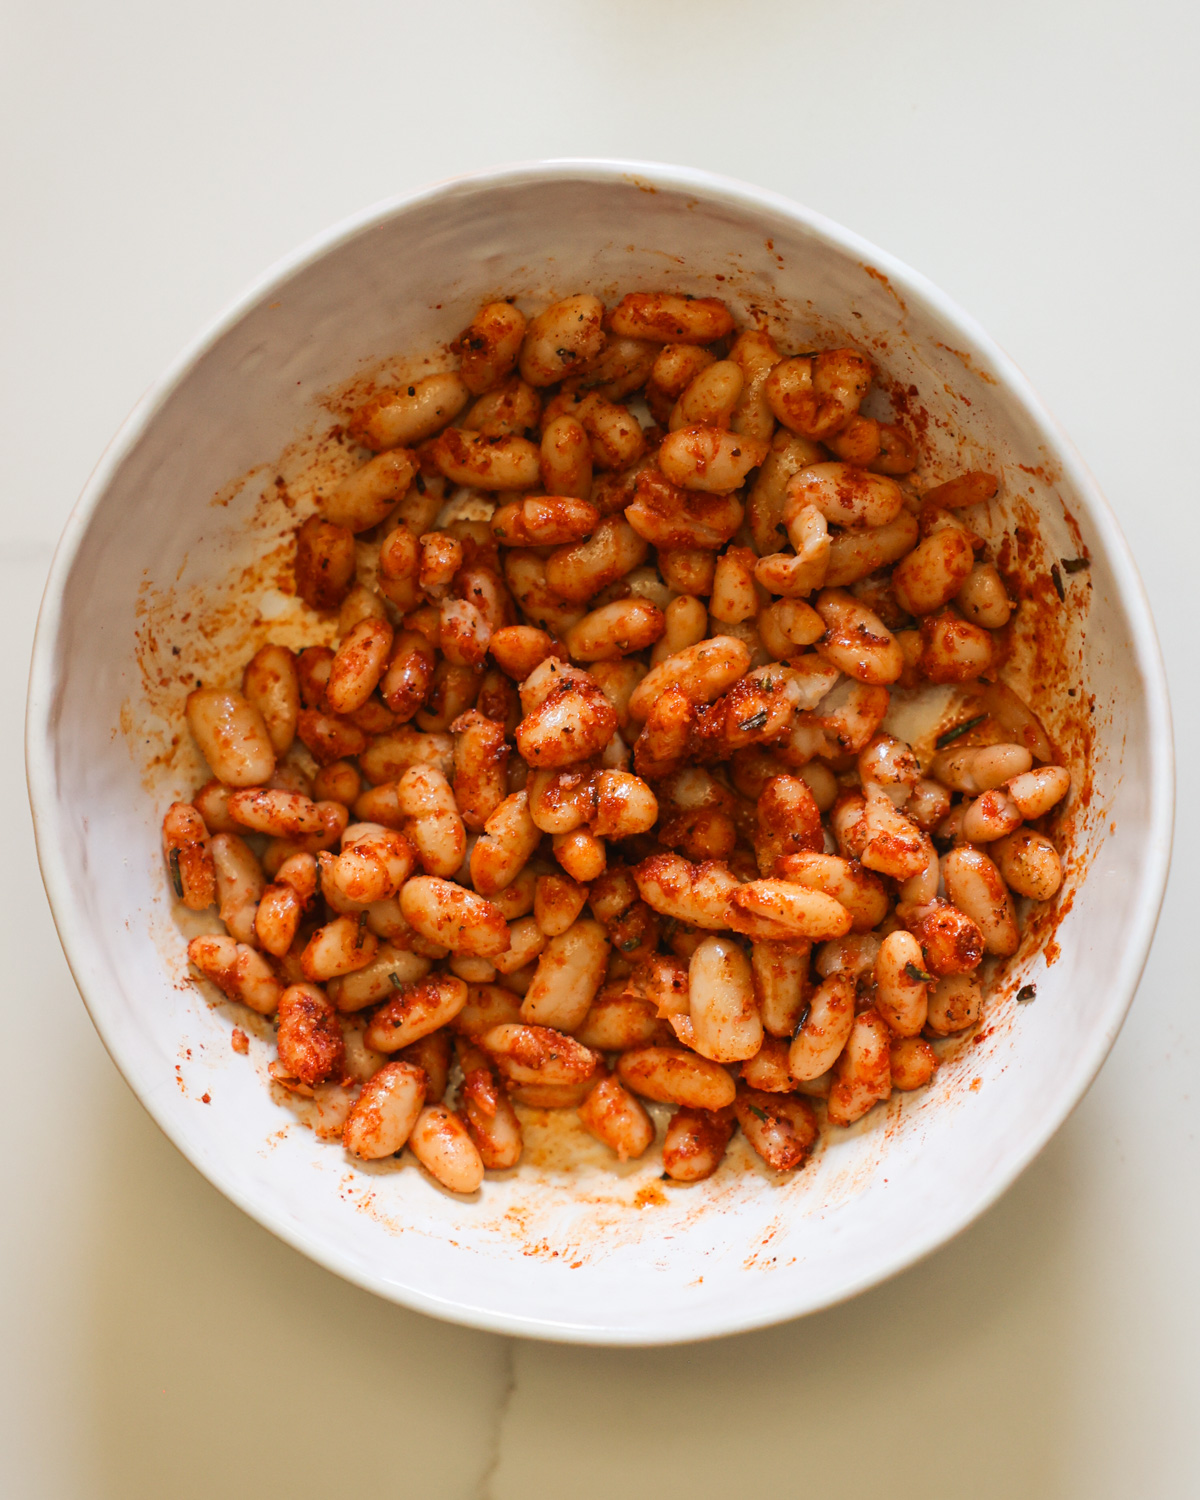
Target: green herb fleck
<point x="394" y="979"/>
<point x="1056" y="580"/>
<point x="800" y="1024"/>
<point x="761" y="1113"/>
<point x="1026" y="993"/>
<point x="176" y="878"/>
<point x="630" y="944"/>
<point x="1076" y="564"/>
<point x="959" y="729"/>
<point x="918" y="976"/>
<point x="756" y="721"/>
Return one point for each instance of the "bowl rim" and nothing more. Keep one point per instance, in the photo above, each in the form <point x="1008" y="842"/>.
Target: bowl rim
<point x="80" y="948"/>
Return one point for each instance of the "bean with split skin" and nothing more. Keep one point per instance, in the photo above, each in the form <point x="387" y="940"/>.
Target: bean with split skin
<point x="488" y="347"/>
<point x="709" y="458"/>
<point x="309" y="1039"/>
<point x="189" y="856"/>
<point x="509" y="838"/>
<point x="695" y="1143"/>
<point x="782" y="1129"/>
<point x="862" y="1075"/>
<point x="237" y="971"/>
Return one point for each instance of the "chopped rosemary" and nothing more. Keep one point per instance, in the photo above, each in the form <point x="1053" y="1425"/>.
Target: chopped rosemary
<point x="959" y="729"/>
<point x="1075" y="564"/>
<point x="918" y="976"/>
<point x="1056" y="580"/>
<point x="1026" y="993"/>
<point x="176" y="878"/>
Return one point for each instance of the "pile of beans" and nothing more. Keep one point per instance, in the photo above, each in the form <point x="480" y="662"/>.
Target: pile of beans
<point x="592" y="804"/>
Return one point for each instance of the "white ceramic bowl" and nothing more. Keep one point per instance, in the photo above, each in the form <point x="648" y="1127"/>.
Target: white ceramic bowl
<point x="561" y="1250"/>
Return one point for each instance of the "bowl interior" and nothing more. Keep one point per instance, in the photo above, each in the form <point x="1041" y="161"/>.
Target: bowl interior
<point x="142" y="604"/>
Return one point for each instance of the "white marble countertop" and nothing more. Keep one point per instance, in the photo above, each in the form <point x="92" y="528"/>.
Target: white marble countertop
<point x="1036" y="160"/>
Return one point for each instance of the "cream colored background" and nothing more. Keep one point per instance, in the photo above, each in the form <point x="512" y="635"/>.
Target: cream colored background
<point x="1038" y="161"/>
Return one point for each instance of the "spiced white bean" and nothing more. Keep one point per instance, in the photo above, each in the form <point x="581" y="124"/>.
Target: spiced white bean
<point x="432" y="819"/>
<point x="412" y="413"/>
<point x="976" y="887"/>
<point x="901" y="984"/>
<point x="442" y="1144"/>
<point x="709" y="458"/>
<point x="364" y="497"/>
<point x="378" y="980"/>
<point x="453" y="917"/>
<point x="983" y="598"/>
<point x="417" y="1009"/>
<point x="615" y="630"/>
<point x="1029" y="863"/>
<point x="189" y="856"/>
<point x="862" y="1075"/>
<point x="240" y="883"/>
<point x="726" y="1026"/>
<point x="563" y="339"/>
<point x="237" y="970"/>
<point x="815" y="395"/>
<point x="675" y="1075"/>
<point x="781" y="1128"/>
<point x="385" y="1112"/>
<point x="614" y="1116"/>
<point x="666" y="318"/>
<point x="824" y="1028"/>
<point x="695" y="1142"/>
<point x="232" y="736"/>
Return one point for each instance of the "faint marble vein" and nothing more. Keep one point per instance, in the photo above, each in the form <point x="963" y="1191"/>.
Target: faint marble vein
<point x="503" y="1406"/>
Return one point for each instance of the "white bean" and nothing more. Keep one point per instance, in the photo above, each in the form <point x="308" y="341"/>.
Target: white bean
<point x="725" y="1022"/>
<point x="232" y="736"/>
<point x="440" y="1142"/>
<point x="824" y="1029"/>
<point x="385" y="1112"/>
<point x="417" y="1009"/>
<point x="612" y="1114"/>
<point x="453" y="917"/>
<point x="863" y="1073"/>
